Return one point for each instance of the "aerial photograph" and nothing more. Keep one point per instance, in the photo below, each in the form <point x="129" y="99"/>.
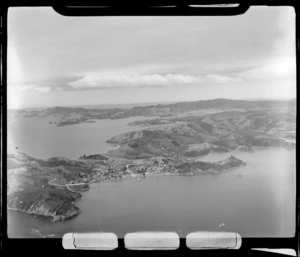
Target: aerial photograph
<point x="166" y="123"/>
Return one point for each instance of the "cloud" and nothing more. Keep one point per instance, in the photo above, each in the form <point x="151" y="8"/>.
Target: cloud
<point x="280" y="69"/>
<point x="28" y="88"/>
<point x="214" y="78"/>
<point x="94" y="81"/>
<point x="42" y="89"/>
<point x="110" y="81"/>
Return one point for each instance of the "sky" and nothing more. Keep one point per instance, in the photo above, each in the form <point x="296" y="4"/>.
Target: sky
<point x="54" y="60"/>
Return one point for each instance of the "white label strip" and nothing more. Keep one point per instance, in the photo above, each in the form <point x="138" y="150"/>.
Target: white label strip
<point x="213" y="240"/>
<point x="90" y="241"/>
<point x="152" y="241"/>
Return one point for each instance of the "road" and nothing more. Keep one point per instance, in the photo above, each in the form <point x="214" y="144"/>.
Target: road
<point x="158" y="165"/>
<point x="115" y="148"/>
<point x="70" y="188"/>
<point x="66" y="185"/>
<point x="50" y="183"/>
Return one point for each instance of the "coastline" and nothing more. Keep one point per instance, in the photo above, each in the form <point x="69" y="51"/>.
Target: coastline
<point x="74" y="209"/>
<point x="57" y="218"/>
<point x="51" y="217"/>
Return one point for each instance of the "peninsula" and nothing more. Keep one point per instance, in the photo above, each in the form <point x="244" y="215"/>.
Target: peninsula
<point x="51" y="187"/>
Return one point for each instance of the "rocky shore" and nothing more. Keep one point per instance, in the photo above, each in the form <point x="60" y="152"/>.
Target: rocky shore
<point x="46" y="214"/>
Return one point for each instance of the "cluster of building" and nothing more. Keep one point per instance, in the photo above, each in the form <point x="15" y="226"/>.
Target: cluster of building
<point x="137" y="168"/>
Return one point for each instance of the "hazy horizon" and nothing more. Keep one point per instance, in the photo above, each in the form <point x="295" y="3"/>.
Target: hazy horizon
<point x="55" y="60"/>
<point x="149" y="103"/>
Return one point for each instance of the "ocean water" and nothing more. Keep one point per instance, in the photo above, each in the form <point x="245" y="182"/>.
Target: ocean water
<point x="256" y="200"/>
<point x="39" y="139"/>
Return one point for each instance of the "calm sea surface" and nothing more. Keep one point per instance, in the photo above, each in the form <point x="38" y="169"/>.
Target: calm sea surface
<point x="257" y="200"/>
<point x="37" y="138"/>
